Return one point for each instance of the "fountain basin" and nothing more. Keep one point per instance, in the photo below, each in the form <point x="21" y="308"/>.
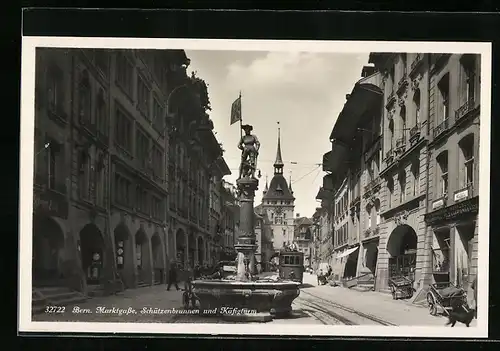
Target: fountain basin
<point x="260" y="300"/>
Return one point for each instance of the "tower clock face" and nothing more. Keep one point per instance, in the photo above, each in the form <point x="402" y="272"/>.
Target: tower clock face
<point x="279" y="210"/>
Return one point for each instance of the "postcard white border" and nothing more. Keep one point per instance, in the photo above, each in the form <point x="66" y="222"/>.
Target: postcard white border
<point x="26" y="185"/>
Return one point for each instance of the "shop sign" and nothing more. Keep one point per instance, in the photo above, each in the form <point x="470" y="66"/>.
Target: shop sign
<point x="461" y="195"/>
<point x="437" y="204"/>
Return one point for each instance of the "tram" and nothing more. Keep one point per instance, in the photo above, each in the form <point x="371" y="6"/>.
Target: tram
<point x="291" y="265"/>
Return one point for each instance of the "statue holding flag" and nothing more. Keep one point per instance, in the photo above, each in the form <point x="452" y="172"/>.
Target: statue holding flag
<point x="249" y="145"/>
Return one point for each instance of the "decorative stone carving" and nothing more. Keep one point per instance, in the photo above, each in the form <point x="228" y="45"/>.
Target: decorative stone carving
<point x="401" y="217"/>
<point x="415" y="83"/>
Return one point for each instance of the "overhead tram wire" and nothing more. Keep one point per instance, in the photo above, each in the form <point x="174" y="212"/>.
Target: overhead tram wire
<point x="308" y="173"/>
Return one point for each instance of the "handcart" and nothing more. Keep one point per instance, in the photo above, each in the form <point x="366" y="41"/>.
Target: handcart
<point x="401" y="287"/>
<point x="445" y="296"/>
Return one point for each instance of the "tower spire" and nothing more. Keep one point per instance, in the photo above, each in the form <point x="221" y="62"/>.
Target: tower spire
<point x="291" y="190"/>
<point x="278" y="164"/>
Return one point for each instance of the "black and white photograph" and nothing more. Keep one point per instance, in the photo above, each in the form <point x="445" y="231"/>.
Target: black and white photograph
<point x="226" y="186"/>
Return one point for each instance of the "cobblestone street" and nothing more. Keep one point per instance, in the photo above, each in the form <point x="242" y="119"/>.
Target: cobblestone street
<point x="315" y="305"/>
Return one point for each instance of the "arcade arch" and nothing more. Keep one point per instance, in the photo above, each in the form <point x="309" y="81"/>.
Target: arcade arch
<point x="402" y="250"/>
<point x="92" y="251"/>
<point x="48" y="242"/>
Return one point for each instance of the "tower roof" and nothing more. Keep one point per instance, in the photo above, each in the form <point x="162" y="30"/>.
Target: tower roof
<point x="279" y="159"/>
<point x="278" y="189"/>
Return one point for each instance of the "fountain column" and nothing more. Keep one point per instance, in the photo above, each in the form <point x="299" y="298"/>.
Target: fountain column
<point x="245" y="244"/>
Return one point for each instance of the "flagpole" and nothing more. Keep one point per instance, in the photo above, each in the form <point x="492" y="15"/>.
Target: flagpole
<point x="241" y="119"/>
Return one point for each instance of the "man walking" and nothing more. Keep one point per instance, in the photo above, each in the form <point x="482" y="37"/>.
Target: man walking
<point x="172" y="276"/>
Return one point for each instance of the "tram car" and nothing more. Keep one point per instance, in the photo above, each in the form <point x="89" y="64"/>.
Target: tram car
<point x="291" y="265"/>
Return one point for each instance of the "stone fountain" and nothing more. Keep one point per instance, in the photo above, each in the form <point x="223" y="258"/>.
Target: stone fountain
<point x="246" y="297"/>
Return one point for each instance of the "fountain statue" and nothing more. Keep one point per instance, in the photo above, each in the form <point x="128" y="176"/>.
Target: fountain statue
<point x="255" y="298"/>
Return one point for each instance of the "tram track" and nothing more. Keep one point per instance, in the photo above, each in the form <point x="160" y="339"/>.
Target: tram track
<point x="324" y="315"/>
<point x="316" y="300"/>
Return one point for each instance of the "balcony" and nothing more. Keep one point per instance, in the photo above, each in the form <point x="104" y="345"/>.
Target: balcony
<point x="402" y="84"/>
<point x="464" y="110"/>
<point x="372" y="186"/>
<point x="355" y="201"/>
<point x="440" y="202"/>
<point x="416" y="63"/>
<point x="389" y="156"/>
<point x="400" y="147"/>
<point x="465" y="193"/>
<point x="441" y="128"/>
<point x="391" y="99"/>
<point x="415" y="133"/>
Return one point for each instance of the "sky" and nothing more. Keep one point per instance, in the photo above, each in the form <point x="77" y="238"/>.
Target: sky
<point x="303" y="91"/>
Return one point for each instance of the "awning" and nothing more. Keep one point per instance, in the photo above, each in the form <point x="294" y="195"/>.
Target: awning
<point x="364" y="97"/>
<point x="347" y="252"/>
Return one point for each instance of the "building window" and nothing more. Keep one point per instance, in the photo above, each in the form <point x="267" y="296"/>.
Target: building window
<point x="468" y="66"/>
<point x="404" y="64"/>
<point x="101" y="58"/>
<point x="467" y="158"/>
<point x="142" y="149"/>
<point x="416" y="105"/>
<point x="390" y="193"/>
<point x="158" y="116"/>
<point x="143" y="97"/>
<point x="157" y="208"/>
<point x="124" y="74"/>
<point x="84" y="100"/>
<point x="442" y="160"/>
<point x="443" y="98"/>
<point x="377" y="210"/>
<point x="99" y="179"/>
<point x="415" y="170"/>
<point x="122" y="190"/>
<point x="402" y="115"/>
<point x="123" y="130"/>
<point x="84" y="175"/>
<point x="55" y="90"/>
<point x="101" y="114"/>
<point x="369" y="216"/>
<point x="54" y="157"/>
<point x="391" y="133"/>
<point x="402" y="186"/>
<point x="157" y="163"/>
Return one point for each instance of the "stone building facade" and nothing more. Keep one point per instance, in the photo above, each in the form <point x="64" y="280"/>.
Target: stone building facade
<point x="410" y="120"/>
<point x="302" y="238"/>
<point x="453" y="174"/>
<point x="108" y="159"/>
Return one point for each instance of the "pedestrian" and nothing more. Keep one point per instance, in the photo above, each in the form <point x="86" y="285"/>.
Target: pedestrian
<point x="329" y="270"/>
<point x="172" y="276"/>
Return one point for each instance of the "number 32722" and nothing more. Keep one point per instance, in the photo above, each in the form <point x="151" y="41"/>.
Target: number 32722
<point x="55" y="309"/>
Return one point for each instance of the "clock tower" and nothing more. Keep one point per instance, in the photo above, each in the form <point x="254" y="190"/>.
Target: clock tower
<point x="279" y="203"/>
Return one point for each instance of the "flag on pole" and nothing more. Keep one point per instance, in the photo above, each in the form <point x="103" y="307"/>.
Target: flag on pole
<point x="236" y="111"/>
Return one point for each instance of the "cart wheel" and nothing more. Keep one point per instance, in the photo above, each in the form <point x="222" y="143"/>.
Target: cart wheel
<point x="432" y="304"/>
